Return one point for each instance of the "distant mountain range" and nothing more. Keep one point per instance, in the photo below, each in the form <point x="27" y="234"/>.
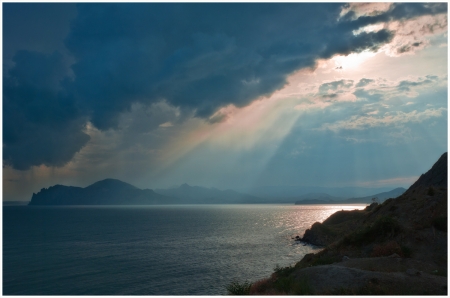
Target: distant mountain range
<point x="327" y="199"/>
<point x="319" y="196"/>
<point x="293" y="193"/>
<point x="116" y="192"/>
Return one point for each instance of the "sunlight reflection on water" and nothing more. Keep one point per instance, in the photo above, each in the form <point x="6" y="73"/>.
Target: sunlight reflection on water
<point x="301" y="217"/>
<point x="151" y="250"/>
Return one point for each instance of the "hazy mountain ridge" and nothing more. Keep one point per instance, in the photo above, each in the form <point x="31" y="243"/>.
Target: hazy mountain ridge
<point x="319" y="196"/>
<point x="326" y="199"/>
<point x="294" y="192"/>
<point x="202" y="195"/>
<point x="381" y="197"/>
<point x="116" y="192"/>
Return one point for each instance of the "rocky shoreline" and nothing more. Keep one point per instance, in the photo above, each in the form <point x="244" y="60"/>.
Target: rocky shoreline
<point x="398" y="247"/>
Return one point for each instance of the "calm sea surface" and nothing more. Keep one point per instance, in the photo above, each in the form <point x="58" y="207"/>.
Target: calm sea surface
<point x="149" y="250"/>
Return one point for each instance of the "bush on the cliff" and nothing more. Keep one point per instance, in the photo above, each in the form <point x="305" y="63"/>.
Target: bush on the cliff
<point x="262" y="287"/>
<point x="383" y="227"/>
<point x="289" y="286"/>
<point x="239" y="288"/>
<point x="325" y="260"/>
<point x="303" y="287"/>
<point x="283" y="271"/>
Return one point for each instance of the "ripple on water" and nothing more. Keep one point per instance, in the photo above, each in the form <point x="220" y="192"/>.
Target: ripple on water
<point x="154" y="250"/>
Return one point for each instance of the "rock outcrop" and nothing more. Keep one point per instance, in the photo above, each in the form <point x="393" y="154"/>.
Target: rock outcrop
<point x="435" y="177"/>
<point x="322" y="234"/>
<point x="398" y="247"/>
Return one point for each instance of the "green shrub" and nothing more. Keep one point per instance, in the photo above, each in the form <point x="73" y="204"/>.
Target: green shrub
<point x="324" y="260"/>
<point x="283" y="271"/>
<point x="386" y="226"/>
<point x="261" y="287"/>
<point x="302" y="287"/>
<point x="284" y="284"/>
<point x="290" y="286"/>
<point x="381" y="228"/>
<point x="239" y="288"/>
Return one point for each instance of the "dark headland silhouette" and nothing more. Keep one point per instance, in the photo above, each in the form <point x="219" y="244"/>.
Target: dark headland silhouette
<point x="398" y="247"/>
<point x="105" y="192"/>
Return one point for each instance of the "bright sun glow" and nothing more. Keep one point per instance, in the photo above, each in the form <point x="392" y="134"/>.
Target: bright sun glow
<point x="351" y="61"/>
<point x="370" y="28"/>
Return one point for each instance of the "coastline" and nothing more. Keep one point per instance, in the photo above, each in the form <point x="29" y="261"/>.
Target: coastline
<point x="398" y="247"/>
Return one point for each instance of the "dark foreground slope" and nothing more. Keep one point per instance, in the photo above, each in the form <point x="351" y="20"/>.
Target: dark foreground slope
<point x="105" y="192"/>
<point x="398" y="247"/>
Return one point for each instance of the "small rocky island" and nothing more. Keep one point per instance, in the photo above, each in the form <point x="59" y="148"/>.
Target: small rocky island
<point x="398" y="247"/>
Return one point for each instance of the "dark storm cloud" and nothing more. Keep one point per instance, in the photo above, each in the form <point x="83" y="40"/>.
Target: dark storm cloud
<point x="35" y="27"/>
<point x="196" y="57"/>
<point x="397" y="11"/>
<point x="199" y="56"/>
<point x="347" y="43"/>
<point x="410" y="10"/>
<point x="41" y="124"/>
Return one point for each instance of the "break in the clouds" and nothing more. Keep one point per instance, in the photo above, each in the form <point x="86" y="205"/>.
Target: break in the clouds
<point x="159" y="90"/>
<point x="362" y="122"/>
<point x="197" y="57"/>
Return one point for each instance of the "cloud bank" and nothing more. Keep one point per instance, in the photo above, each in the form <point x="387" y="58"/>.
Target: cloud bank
<point x="193" y="58"/>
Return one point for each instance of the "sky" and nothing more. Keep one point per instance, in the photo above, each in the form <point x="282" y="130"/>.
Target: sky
<point x="225" y="95"/>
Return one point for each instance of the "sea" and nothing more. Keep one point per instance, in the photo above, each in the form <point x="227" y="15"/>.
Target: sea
<point x="150" y="250"/>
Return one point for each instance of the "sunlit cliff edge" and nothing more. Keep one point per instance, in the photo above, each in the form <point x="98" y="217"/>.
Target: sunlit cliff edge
<point x="398" y="247"/>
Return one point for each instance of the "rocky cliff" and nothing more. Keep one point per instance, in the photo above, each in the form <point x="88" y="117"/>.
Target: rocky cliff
<point x="398" y="247"/>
